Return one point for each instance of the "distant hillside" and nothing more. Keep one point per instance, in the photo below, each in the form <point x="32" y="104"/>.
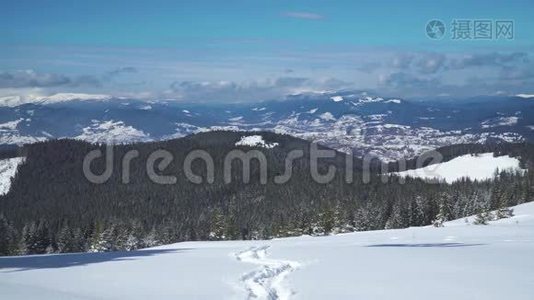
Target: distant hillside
<point x="345" y="120"/>
<point x="51" y="206"/>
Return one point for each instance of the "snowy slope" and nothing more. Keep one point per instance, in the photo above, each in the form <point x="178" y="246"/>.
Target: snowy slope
<point x="14" y="101"/>
<point x="112" y="132"/>
<point x="8" y="169"/>
<point x="458" y="261"/>
<point x="255" y="141"/>
<point x="475" y="167"/>
<point x="10" y="134"/>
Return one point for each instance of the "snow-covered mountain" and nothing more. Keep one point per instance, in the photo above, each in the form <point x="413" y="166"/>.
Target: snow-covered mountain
<point x="388" y="127"/>
<point x="456" y="261"/>
<point x="14" y="101"/>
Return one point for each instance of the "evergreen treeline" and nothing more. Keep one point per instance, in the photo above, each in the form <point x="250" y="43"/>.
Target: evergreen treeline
<point x="52" y="207"/>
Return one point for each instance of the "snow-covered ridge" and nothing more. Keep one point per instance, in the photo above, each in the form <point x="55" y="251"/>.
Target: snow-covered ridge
<point x="327" y="116"/>
<point x="500" y="121"/>
<point x="255" y="141"/>
<point x="11" y="125"/>
<point x="9" y="133"/>
<point x="116" y="132"/>
<point x="360" y="123"/>
<point x="13" y="101"/>
<point x="474" y="167"/>
<point x="63" y="97"/>
<point x="336" y="98"/>
<point x="525" y="96"/>
<point x="8" y="169"/>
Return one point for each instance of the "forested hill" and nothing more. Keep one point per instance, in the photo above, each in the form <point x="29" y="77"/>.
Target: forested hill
<point x="52" y="207"/>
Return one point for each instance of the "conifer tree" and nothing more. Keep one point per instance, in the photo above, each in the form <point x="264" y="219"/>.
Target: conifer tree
<point x="66" y="240"/>
<point x="7" y="237"/>
<point x="217" y="225"/>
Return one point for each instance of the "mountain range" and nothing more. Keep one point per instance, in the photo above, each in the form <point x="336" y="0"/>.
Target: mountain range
<point x="355" y="121"/>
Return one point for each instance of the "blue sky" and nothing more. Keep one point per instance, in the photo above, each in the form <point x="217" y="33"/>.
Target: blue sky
<point x="256" y="50"/>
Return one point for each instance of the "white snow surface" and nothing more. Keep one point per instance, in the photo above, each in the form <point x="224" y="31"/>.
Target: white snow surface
<point x="458" y="261"/>
<point x="474" y="167"/>
<point x="115" y="132"/>
<point x="11" y="125"/>
<point x="255" y="141"/>
<point x="500" y="121"/>
<point x="62" y="97"/>
<point x="9" y="134"/>
<point x="145" y="107"/>
<point x="13" y="101"/>
<point x="8" y="169"/>
<point x="336" y="98"/>
<point x="235" y="119"/>
<point x="327" y="116"/>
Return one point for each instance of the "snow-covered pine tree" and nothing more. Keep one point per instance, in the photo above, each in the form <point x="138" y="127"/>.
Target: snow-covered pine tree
<point x="94" y="240"/>
<point x="120" y="237"/>
<point x="441" y="216"/>
<point x="361" y="220"/>
<point x="28" y="238"/>
<point x="35" y="239"/>
<point x="132" y="242"/>
<point x="327" y="220"/>
<point x="482" y="218"/>
<point x="217" y="225"/>
<point x="65" y="240"/>
<point x="7" y="237"/>
<point x="80" y="241"/>
<point x="504" y="212"/>
<point x="105" y="240"/>
<point x="151" y="239"/>
<point x="400" y="217"/>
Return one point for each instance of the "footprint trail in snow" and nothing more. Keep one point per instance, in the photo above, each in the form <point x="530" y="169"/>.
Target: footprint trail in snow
<point x="267" y="282"/>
